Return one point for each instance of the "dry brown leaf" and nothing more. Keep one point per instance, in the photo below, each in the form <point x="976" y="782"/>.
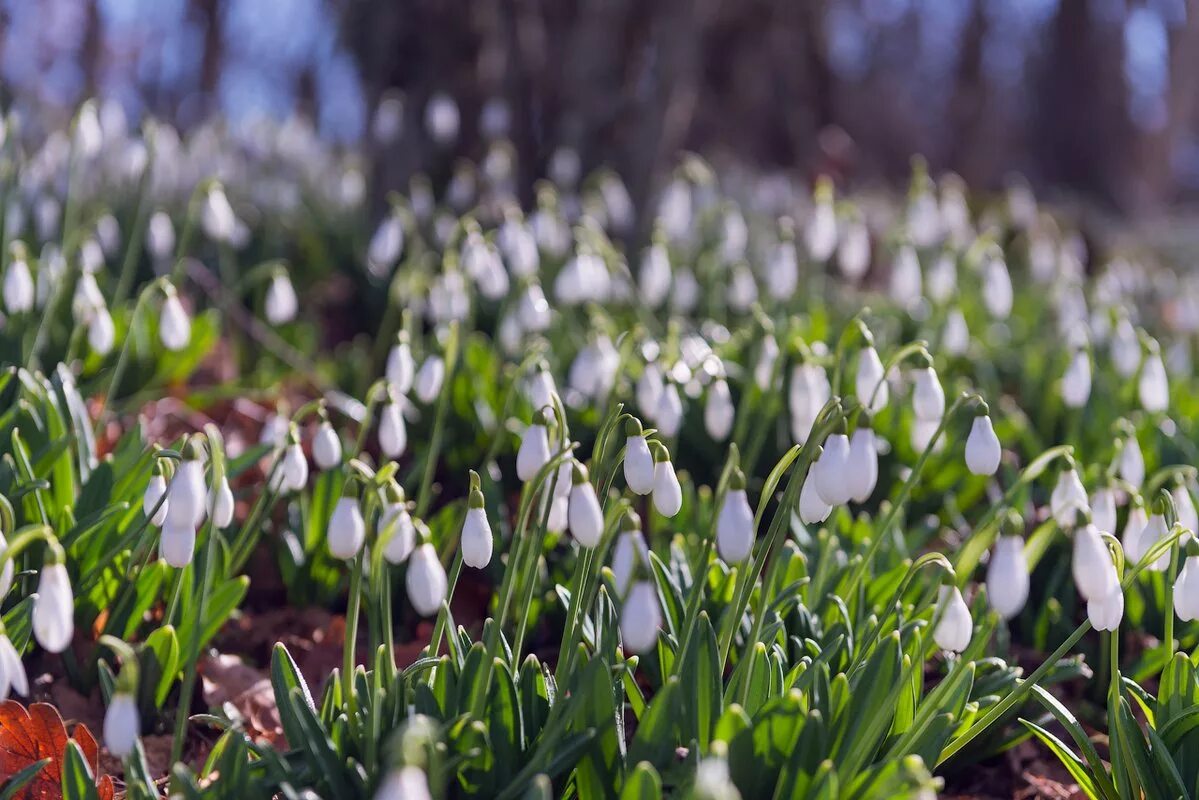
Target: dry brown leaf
<point x="30" y="735"/>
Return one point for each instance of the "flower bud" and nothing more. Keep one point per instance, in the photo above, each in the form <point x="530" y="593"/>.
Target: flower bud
<point x="1103" y="510"/>
<point x="1186" y="590"/>
<point x="404" y="783"/>
<point x="101" y="334"/>
<point x="186" y="495"/>
<point x="719" y="412"/>
<point x="534" y="452"/>
<point x="401" y="369"/>
<point x="295" y="468"/>
<point x="669" y="414"/>
<point x="629" y="550"/>
<point x="640" y="618"/>
<point x="396" y="524"/>
<point x="12" y="670"/>
<point x="177" y="545"/>
<point x="347" y="529"/>
<point x="906" y="280"/>
<point x="1134" y="527"/>
<point x="477" y="540"/>
<point x="429" y="379"/>
<point x="764" y="368"/>
<point x="638" y="462"/>
<point x="831" y="471"/>
<point x="928" y="398"/>
<point x="1184" y="507"/>
<point x="393" y="433"/>
<point x="955" y="337"/>
<point x="955" y="626"/>
<point x="585" y="517"/>
<point x="1132" y="462"/>
<point x="809" y="391"/>
<point x="668" y="494"/>
<point x="1068" y="499"/>
<point x="1007" y="577"/>
<point x="220" y="504"/>
<point x="174" y="326"/>
<point x="982" y="447"/>
<point x="54" y="609"/>
<point x="1155" y="531"/>
<point x="871" y="381"/>
<point x="1076" y="382"/>
<point x="426" y="581"/>
<point x="122" y="725"/>
<point x="812" y="508"/>
<point x="542" y="390"/>
<point x="735" y="523"/>
<point x="280" y="304"/>
<point x="997" y="287"/>
<point x="862" y="467"/>
<point x="155" y="489"/>
<point x="326" y="447"/>
<point x="1094" y="573"/>
<point x="649" y="389"/>
<point x="1106" y="612"/>
<point x="18" y="287"/>
<point x="6" y="572"/>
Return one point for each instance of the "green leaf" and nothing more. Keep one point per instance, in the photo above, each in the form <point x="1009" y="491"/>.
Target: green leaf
<point x="159" y="666"/>
<point x="642" y="783"/>
<point x="1074" y="765"/>
<point x="702" y="675"/>
<point x="77" y="780"/>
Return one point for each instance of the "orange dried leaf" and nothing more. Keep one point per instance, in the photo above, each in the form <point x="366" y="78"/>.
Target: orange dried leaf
<point x="30" y="735"/>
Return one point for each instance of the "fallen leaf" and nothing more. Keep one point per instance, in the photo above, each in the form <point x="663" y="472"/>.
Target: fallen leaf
<point x="30" y="735"/>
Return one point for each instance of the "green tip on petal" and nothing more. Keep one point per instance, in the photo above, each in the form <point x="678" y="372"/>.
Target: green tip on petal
<point x="632" y="427"/>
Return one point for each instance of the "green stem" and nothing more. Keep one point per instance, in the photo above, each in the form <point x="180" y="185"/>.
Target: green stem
<point x="442" y="621"/>
<point x="351" y="637"/>
<point x="443" y="402"/>
<point x="118" y="371"/>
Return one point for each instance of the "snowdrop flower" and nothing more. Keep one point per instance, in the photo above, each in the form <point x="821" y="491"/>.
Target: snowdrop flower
<point x="280" y="304"/>
<point x="735" y="522"/>
<point x="955" y="337"/>
<point x="274" y="431"/>
<point x="1103" y="510"/>
<point x="1186" y="596"/>
<point x="1155" y="531"/>
<point x="396" y="526"/>
<point x="654" y="278"/>
<point x="943" y="277"/>
<point x="1153" y="387"/>
<point x="668" y="494"/>
<point x="629" y="551"/>
<point x="347" y="529"/>
<point x="1007" y="577"/>
<point x="982" y="446"/>
<point x="220" y="504"/>
<point x="217" y="217"/>
<point x="782" y="274"/>
<point x="156" y="488"/>
<point x="649" y="389"/>
<point x="906" y="279"/>
<point x="12" y="670"/>
<point x="1068" y="499"/>
<point x="1132" y="462"/>
<point x="1188" y="517"/>
<point x="764" y="369"/>
<point x="719" y="412"/>
<point x="533" y="311"/>
<point x="88" y="135"/>
<point x="743" y="289"/>
<point x="928" y="398"/>
<point x="1131" y="539"/>
<point x="122" y="725"/>
<point x="809" y="391"/>
<point x="442" y="118"/>
<point x="393" y="432"/>
<point x="534" y="452"/>
<point x="853" y="255"/>
<point x="542" y="390"/>
<point x="585" y="517"/>
<point x="638" y="461"/>
<point x="429" y="379"/>
<point x="1076" y="382"/>
<point x="640" y="618"/>
<point x="18" y="287"/>
<point x="54" y="608"/>
<point x="426" y="581"/>
<point x="385" y="245"/>
<point x="477" y="540"/>
<point x="997" y="287"/>
<point x="294" y="466"/>
<point x="1094" y="573"/>
<point x="187" y="493"/>
<point x="174" y="326"/>
<point x="820" y="234"/>
<point x="955" y="627"/>
<point x="401" y="368"/>
<point x="326" y="446"/>
<point x="861" y="474"/>
<point x="871" y="381"/>
<point x="669" y="414"/>
<point x="1125" y="348"/>
<point x="831" y="469"/>
<point x="101" y="333"/>
<point x="812" y="508"/>
<point x="923" y="431"/>
<point x="404" y="783"/>
<point x="177" y="544"/>
<point x="160" y="236"/>
<point x="1105" y="613"/>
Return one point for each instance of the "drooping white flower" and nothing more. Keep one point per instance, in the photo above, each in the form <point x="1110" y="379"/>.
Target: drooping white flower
<point x="782" y="274"/>
<point x="638" y="461"/>
<point x="923" y="431"/>
<point x="719" y="411"/>
<point x="155" y="489"/>
<point x="541" y="387"/>
<point x="831" y="470"/>
<point x="649" y="389"/>
<point x="735" y="523"/>
<point x="347" y="529"/>
<point x="281" y="303"/>
<point x="862" y="467"/>
<point x="54" y="608"/>
<point x="393" y="432"/>
<point x="1106" y="612"/>
<point x="669" y="414"/>
<point x="401" y="369"/>
<point x="295" y="468"/>
<point x="186" y="494"/>
<point x="174" y="326"/>
<point x="217" y="218"/>
<point x="654" y="278"/>
<point x="533" y="310"/>
<point x="640" y="618"/>
<point x="326" y="446"/>
<point x="812" y="508"/>
<point x="396" y="525"/>
<point x="928" y="398"/>
<point x="1131" y="539"/>
<point x="477" y="540"/>
<point x="853" y="255"/>
<point x="177" y="544"/>
<point x="942" y="280"/>
<point x="982" y="447"/>
<point x="820" y="234"/>
<point x="743" y="289"/>
<point x="764" y="369"/>
<point x="870" y="383"/>
<point x="1103" y="510"/>
<point x="442" y="119"/>
<point x="122" y="725"/>
<point x="12" y="670"/>
<point x="534" y="452"/>
<point x="1186" y="592"/>
<point x="160" y="236"/>
<point x="997" y="287"/>
<point x="220" y="504"/>
<point x="426" y="580"/>
<point x="955" y="337"/>
<point x="1132" y="462"/>
<point x="1184" y="506"/>
<point x="1007" y="577"/>
<point x="955" y="626"/>
<point x="429" y="379"/>
<point x="101" y="333"/>
<point x="385" y="245"/>
<point x="585" y="517"/>
<point x="404" y="783"/>
<point x="1153" y="387"/>
<point x="906" y="280"/>
<point x="1076" y="382"/>
<point x="1068" y="499"/>
<point x="668" y="494"/>
<point x="1155" y="530"/>
<point x="809" y="390"/>
<point x="1125" y="348"/>
<point x="18" y="287"/>
<point x="629" y="551"/>
<point x="1092" y="567"/>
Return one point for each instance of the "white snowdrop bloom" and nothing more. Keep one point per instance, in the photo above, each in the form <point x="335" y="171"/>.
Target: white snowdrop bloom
<point x="274" y="431"/>
<point x="674" y="209"/>
<point x="684" y="292"/>
<point x="122" y="725"/>
<point x="426" y="581"/>
<point x="404" y="783"/>
<point x="396" y="524"/>
<point x="982" y="447"/>
<point x="295" y="468"/>
<point x="584" y="278"/>
<point x="955" y="337"/>
<point x="220" y="504"/>
<point x="1131" y="539"/>
<point x="735" y="523"/>
<point x="565" y="166"/>
<point x="668" y="494"/>
<point x="924" y="219"/>
<point x="955" y="626"/>
<point x="638" y="461"/>
<point x="640" y="618"/>
<point x="6" y="572"/>
<point x="1094" y="573"/>
<point x="160" y="236"/>
<point x="853" y="254"/>
<point x="997" y="287"/>
<point x="326" y="446"/>
<point x="541" y="388"/>
<point x="559" y="514"/>
<point x="1007" y="577"/>
<point x="534" y="452"/>
<point x="448" y="297"/>
<point x="1184" y="506"/>
<point x="812" y="508"/>
<point x="442" y="119"/>
<point x="217" y="217"/>
<point x="509" y="334"/>
<point x="1132" y="462"/>
<point x="923" y="431"/>
<point x="155" y="489"/>
<point x="347" y="529"/>
<point x="18" y="287"/>
<point x="1103" y="510"/>
<point x="393" y="432"/>
<point x="906" y="280"/>
<point x="870" y="383"/>
<point x="942" y="279"/>
<point x="534" y="310"/>
<point x="830" y="471"/>
<point x="1068" y="499"/>
<point x="101" y="333"/>
<point x="808" y="392"/>
<point x="743" y="289"/>
<point x="767" y="357"/>
<point x="654" y="278"/>
<point x="734" y="235"/>
<point x="649" y="389"/>
<point x="629" y="551"/>
<point x="177" y="544"/>
<point x="1106" y="612"/>
<point x="1153" y="386"/>
<point x="519" y="249"/>
<point x="12" y="670"/>
<point x="174" y="326"/>
<point x="54" y="609"/>
<point x="429" y="379"/>
<point x="477" y="540"/>
<point x="1155" y="530"/>
<point x="928" y="398"/>
<point x="669" y="414"/>
<point x="385" y="245"/>
<point x="187" y="494"/>
<point x="862" y="467"/>
<point x="593" y="372"/>
<point x="782" y="274"/>
<point x="401" y="368"/>
<point x="1186" y="595"/>
<point x="718" y="411"/>
<point x="281" y="303"/>
<point x="1125" y="348"/>
<point x="820" y="234"/>
<point x="1076" y="382"/>
<point x="585" y="517"/>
